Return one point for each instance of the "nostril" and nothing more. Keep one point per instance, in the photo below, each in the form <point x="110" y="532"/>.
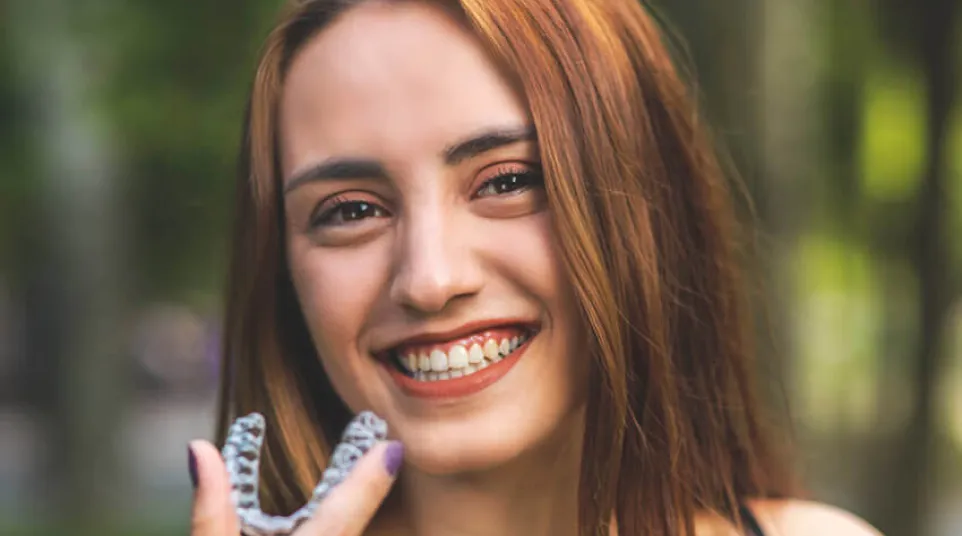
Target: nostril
<point x="425" y="295"/>
<point x="431" y="274"/>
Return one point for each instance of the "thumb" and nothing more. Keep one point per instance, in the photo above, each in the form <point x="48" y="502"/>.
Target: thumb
<point x="212" y="513"/>
<point x="351" y="506"/>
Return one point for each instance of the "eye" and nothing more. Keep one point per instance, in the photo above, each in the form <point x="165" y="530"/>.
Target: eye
<point x="340" y="212"/>
<point x="510" y="179"/>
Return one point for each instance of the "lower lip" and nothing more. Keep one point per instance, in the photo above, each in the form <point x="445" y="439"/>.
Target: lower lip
<point x="457" y="387"/>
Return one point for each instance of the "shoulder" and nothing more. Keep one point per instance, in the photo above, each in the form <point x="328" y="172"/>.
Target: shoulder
<point x="802" y="518"/>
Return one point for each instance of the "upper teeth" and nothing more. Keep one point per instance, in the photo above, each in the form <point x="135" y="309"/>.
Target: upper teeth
<point x="459" y="359"/>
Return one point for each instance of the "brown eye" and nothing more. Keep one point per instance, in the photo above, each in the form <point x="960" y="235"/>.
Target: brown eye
<point x="510" y="181"/>
<point x="347" y="212"/>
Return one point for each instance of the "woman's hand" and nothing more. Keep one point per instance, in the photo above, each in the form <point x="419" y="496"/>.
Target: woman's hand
<point x="346" y="511"/>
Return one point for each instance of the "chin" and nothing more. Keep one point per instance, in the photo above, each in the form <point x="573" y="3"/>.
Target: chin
<point x="439" y="455"/>
<point x="529" y="401"/>
<point x="495" y="439"/>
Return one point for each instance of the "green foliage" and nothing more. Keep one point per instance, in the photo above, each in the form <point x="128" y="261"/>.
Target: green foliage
<point x="893" y="139"/>
<point x="17" y="181"/>
<point x="176" y="96"/>
<point x="954" y="169"/>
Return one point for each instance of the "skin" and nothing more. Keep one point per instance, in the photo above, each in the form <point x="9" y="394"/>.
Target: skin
<point x="398" y="85"/>
<point x="434" y="248"/>
<point x="351" y="506"/>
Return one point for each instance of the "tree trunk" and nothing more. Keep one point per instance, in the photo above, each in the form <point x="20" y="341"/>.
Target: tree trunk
<point x="913" y="487"/>
<point x="74" y="286"/>
<point x="790" y="155"/>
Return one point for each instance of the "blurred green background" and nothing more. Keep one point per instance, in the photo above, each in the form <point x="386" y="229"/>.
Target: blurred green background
<point x="119" y="124"/>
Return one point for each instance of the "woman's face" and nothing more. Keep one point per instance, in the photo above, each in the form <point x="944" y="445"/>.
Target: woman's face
<point x="420" y="243"/>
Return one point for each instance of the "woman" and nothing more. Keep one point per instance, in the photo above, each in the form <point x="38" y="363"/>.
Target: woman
<point x="497" y="225"/>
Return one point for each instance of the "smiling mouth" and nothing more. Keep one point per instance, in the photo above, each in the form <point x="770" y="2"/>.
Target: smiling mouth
<point x="462" y="357"/>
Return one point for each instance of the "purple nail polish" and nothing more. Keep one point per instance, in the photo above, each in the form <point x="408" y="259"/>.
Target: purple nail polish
<point x="192" y="466"/>
<point x="393" y="456"/>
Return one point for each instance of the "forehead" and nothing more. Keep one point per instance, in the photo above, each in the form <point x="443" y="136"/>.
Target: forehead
<point x="391" y="77"/>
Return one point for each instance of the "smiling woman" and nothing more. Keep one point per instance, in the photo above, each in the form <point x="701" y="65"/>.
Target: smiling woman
<point x="497" y="225"/>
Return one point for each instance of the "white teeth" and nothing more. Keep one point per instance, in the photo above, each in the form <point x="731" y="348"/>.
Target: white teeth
<point x="457" y="357"/>
<point x="491" y="350"/>
<point x="476" y="354"/>
<point x="459" y="361"/>
<point x="439" y="361"/>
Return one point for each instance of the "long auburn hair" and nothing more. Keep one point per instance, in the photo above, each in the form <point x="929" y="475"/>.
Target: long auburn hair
<point x="647" y="233"/>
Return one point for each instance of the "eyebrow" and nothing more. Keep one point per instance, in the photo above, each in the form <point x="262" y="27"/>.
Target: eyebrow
<point x="487" y="141"/>
<point x="338" y="168"/>
<point x="363" y="168"/>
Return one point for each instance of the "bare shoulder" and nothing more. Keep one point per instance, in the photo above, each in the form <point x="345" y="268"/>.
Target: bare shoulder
<point x="803" y="518"/>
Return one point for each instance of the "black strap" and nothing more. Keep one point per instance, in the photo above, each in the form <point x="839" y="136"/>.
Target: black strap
<point x="748" y="519"/>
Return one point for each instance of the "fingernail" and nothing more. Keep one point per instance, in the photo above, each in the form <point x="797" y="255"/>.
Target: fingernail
<point x="393" y="456"/>
<point x="192" y="466"/>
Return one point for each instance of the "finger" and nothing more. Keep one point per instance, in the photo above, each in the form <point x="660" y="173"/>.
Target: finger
<point x="212" y="513"/>
<point x="349" y="507"/>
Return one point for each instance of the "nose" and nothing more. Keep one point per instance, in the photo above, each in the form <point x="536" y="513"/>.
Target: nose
<point x="434" y="265"/>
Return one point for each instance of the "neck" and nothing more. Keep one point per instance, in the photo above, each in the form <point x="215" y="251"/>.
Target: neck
<point x="534" y="494"/>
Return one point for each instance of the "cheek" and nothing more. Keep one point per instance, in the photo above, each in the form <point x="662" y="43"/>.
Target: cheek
<point x="535" y="259"/>
<point x="530" y="252"/>
<point x="336" y="290"/>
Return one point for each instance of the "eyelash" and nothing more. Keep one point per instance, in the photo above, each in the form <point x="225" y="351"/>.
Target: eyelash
<point x="515" y="175"/>
<point x="340" y="204"/>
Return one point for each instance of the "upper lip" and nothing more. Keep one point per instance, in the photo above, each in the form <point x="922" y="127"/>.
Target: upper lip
<point x="464" y="330"/>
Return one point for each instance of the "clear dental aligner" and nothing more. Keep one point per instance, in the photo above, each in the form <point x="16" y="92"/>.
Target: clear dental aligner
<point x="242" y="452"/>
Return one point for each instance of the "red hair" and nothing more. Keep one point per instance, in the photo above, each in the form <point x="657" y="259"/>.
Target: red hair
<point x="647" y="233"/>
